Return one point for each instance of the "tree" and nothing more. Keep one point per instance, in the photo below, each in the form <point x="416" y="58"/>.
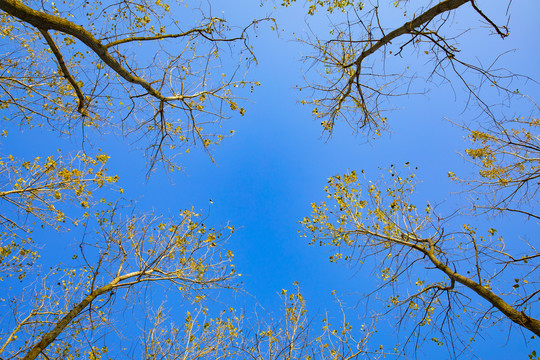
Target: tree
<point x="167" y="101"/>
<point x="61" y="75"/>
<point x="165" y="78"/>
<point x="354" y="85"/>
<point x="444" y="278"/>
<point x="289" y="336"/>
<point x="68" y="66"/>
<point x="32" y="188"/>
<point x="73" y="305"/>
<point x="427" y="265"/>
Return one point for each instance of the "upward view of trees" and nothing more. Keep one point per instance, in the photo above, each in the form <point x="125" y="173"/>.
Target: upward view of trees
<point x="166" y="76"/>
<point x="481" y="279"/>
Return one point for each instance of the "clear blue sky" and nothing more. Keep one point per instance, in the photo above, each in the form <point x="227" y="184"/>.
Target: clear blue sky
<point x="265" y="176"/>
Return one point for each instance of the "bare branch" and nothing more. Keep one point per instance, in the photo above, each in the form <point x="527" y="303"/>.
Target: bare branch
<point x="82" y="101"/>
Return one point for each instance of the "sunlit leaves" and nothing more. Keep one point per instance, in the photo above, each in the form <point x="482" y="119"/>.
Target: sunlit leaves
<point x="358" y="207"/>
<point x="179" y="253"/>
<point x="34" y="187"/>
<point x="328" y="5"/>
<point x="507" y="157"/>
<point x="39" y="191"/>
<point x="377" y="223"/>
<point x="169" y="101"/>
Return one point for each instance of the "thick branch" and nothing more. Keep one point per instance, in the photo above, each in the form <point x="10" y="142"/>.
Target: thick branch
<point x="152" y="38"/>
<point x="49" y="337"/>
<point x="44" y="21"/>
<point x="517" y="317"/>
<point x="410" y="26"/>
<point x="407" y="28"/>
<point x="82" y="102"/>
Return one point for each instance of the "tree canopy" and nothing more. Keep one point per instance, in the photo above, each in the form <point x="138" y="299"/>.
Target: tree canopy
<point x="108" y="251"/>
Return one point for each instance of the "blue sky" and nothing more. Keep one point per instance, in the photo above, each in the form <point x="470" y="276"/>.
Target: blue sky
<point x="265" y="176"/>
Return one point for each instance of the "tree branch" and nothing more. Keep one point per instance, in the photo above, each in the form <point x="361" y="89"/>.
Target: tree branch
<point x="201" y="31"/>
<point x="44" y="21"/>
<point x="82" y="101"/>
<point x="49" y="337"/>
<point x="409" y="27"/>
<point x="156" y="37"/>
<point x="497" y="29"/>
<point x="516" y="316"/>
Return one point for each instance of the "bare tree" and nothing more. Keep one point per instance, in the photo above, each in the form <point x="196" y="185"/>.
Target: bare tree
<point x="74" y="306"/>
<point x="352" y="82"/>
<point x="74" y="64"/>
<point x="506" y="154"/>
<point x="448" y="281"/>
<point x="294" y="334"/>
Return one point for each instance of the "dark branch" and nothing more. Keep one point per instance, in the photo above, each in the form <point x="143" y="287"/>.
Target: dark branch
<point x="82" y="101"/>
